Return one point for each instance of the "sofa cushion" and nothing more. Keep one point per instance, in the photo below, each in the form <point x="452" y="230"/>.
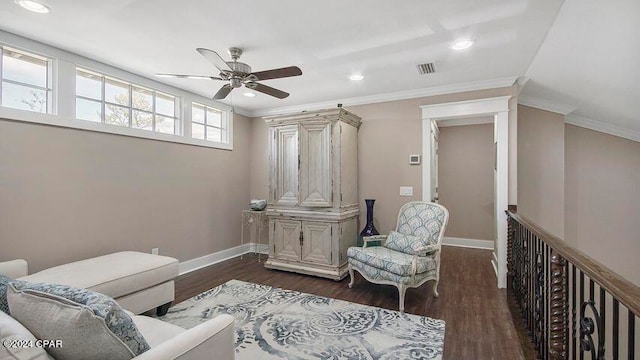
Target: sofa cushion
<point x="11" y="329"/>
<point x="90" y="325"/>
<point x="408" y="244"/>
<point x="115" y="275"/>
<point x="4" y="282"/>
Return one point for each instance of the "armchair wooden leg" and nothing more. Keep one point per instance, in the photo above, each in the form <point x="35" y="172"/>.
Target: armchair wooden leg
<point x="435" y="289"/>
<point x="351" y="276"/>
<point x="401" y="290"/>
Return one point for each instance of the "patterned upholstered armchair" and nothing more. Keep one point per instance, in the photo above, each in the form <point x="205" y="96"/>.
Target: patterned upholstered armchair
<point x="410" y="255"/>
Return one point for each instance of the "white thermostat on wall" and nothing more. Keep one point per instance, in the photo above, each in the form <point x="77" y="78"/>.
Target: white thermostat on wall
<point x="414" y="159"/>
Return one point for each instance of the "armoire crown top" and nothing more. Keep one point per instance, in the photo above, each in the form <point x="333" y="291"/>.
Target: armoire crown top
<point x="333" y="114"/>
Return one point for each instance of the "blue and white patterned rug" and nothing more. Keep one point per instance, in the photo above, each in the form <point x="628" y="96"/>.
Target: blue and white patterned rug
<point x="273" y="323"/>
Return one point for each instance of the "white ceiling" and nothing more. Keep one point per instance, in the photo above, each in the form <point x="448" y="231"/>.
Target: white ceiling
<point x="328" y="40"/>
<point x="590" y="61"/>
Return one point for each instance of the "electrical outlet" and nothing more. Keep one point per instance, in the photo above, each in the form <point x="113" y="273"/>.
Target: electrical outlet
<point x="406" y="190"/>
<point x="154" y="251"/>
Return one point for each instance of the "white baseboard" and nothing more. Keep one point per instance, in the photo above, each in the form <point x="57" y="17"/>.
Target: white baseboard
<point x="214" y="258"/>
<point x="468" y="243"/>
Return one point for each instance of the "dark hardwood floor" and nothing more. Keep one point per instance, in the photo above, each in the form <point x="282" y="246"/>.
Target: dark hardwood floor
<point x="477" y="316"/>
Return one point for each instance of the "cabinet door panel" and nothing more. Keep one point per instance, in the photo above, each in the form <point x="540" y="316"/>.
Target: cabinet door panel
<point x="315" y="165"/>
<point x="316" y="246"/>
<point x="284" y="171"/>
<point x="286" y="239"/>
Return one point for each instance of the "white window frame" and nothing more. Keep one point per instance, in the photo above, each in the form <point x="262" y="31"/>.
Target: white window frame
<point x="63" y="77"/>
<point x="177" y="129"/>
<point x="48" y="89"/>
<point x="224" y="123"/>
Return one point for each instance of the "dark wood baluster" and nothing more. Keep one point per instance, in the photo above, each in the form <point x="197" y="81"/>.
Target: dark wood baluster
<point x="581" y="301"/>
<point x="540" y="303"/>
<point x="558" y="308"/>
<point x="615" y="326"/>
<point x="574" y="339"/>
<point x="603" y="321"/>
<point x="534" y="287"/>
<point x="521" y="260"/>
<point x="545" y="301"/>
<point x="528" y="262"/>
<point x="567" y="268"/>
<point x="536" y="293"/>
<point x="631" y="338"/>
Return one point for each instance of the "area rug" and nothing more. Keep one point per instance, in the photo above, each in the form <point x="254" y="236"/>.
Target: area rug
<point x="273" y="323"/>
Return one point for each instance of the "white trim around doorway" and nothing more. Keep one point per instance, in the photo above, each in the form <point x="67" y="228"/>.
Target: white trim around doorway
<point x="498" y="107"/>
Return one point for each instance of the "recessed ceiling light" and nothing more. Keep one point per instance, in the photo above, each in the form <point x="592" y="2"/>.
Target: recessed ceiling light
<point x="34" y="6"/>
<point x="462" y="44"/>
<point x="249" y="94"/>
<point x="356" y="77"/>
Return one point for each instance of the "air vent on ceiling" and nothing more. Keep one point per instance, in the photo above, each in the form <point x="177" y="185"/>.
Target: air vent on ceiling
<point x="426" y="68"/>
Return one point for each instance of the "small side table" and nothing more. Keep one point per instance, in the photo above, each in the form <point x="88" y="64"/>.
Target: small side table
<point x="257" y="222"/>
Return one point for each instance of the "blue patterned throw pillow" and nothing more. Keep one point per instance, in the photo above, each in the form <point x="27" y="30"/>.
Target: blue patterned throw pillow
<point x="90" y="325"/>
<point x="408" y="244"/>
<point x="4" y="282"/>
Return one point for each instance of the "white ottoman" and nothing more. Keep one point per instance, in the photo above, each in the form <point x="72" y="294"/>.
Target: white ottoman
<point x="137" y="281"/>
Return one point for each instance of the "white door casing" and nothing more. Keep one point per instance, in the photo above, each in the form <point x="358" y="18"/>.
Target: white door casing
<point x="499" y="108"/>
<point x="434" y="161"/>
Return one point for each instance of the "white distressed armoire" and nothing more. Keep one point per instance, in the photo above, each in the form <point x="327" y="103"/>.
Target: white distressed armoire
<point x="313" y="191"/>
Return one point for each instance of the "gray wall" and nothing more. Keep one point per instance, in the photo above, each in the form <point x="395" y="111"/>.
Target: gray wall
<point x="541" y="168"/>
<point x="68" y="194"/>
<point x="602" y="198"/>
<point x="582" y="186"/>
<point x="390" y="132"/>
<point x="465" y="180"/>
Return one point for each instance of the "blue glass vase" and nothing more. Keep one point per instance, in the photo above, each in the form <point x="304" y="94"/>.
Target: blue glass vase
<point x="369" y="228"/>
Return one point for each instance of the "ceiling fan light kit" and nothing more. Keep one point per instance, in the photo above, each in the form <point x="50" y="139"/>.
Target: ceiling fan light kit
<point x="237" y="74"/>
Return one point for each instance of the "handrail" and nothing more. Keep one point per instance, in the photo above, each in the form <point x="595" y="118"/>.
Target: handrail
<point x="625" y="291"/>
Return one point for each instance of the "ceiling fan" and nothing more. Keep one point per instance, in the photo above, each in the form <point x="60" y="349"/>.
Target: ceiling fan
<point x="237" y="74"/>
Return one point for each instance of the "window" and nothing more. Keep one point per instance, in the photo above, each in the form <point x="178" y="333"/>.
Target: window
<point x="103" y="99"/>
<point x="208" y="123"/>
<point x="25" y="81"/>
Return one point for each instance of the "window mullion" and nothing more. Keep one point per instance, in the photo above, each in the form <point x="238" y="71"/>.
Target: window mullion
<point x="1" y="72"/>
<point x="153" y="111"/>
<point x="130" y="105"/>
<point x="103" y="101"/>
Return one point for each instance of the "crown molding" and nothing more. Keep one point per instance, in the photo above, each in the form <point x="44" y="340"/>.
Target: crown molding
<point x="392" y="96"/>
<point x="243" y="112"/>
<point x="603" y="127"/>
<point x="545" y="104"/>
<point x="521" y="82"/>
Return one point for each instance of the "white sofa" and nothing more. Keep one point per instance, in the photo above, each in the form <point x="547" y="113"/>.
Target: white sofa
<point x="212" y="339"/>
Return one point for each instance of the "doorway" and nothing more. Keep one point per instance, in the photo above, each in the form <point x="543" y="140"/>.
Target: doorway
<point x="466" y="179"/>
<point x="498" y="108"/>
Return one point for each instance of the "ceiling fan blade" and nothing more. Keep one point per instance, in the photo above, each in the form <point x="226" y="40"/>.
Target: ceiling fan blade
<point x="267" y="90"/>
<point x="223" y="92"/>
<point x="278" y="73"/>
<point x="181" y="76"/>
<point x="215" y="59"/>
